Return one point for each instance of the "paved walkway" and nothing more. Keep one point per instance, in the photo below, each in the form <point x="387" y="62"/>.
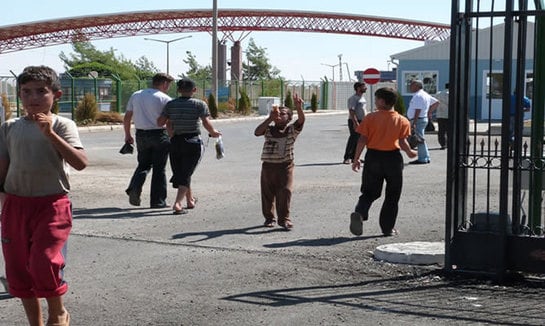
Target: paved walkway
<point x="217" y="265"/>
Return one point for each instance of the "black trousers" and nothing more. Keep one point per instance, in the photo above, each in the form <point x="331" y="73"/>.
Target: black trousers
<point x="380" y="167"/>
<point x="352" y="142"/>
<point x="442" y="131"/>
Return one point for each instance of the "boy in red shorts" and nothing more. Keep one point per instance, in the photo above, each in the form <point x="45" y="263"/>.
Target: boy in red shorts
<point x="35" y="151"/>
<point x="384" y="132"/>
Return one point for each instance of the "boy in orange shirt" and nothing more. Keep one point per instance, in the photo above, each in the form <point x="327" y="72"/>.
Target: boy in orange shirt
<point x="384" y="132"/>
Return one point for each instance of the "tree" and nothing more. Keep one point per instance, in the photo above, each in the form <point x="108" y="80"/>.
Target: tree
<point x="196" y="71"/>
<point x="288" y="101"/>
<point x="87" y="58"/>
<point x="258" y="66"/>
<point x="314" y="102"/>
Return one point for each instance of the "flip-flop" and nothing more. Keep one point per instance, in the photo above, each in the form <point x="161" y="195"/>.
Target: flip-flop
<point x="179" y="212"/>
<point x="195" y="199"/>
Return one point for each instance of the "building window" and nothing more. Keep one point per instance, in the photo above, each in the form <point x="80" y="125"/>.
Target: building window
<point x="428" y="78"/>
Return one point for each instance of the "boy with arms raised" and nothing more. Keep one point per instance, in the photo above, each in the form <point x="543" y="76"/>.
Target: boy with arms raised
<point x="384" y="132"/>
<point x="277" y="167"/>
<point x="35" y="151"/>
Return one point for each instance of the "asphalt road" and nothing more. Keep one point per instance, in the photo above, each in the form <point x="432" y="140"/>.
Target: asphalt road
<point x="218" y="266"/>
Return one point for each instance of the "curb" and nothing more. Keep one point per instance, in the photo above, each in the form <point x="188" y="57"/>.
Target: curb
<point x="259" y="117"/>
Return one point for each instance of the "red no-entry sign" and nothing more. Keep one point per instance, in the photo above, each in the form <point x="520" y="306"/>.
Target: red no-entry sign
<point x="371" y="76"/>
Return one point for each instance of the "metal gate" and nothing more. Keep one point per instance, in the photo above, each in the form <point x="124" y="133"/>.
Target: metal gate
<point x="495" y="181"/>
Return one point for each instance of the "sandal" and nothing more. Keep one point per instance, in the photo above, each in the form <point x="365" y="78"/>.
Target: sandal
<point x="195" y="199"/>
<point x="287" y="225"/>
<point x="269" y="223"/>
<point x="179" y="212"/>
<point x="66" y="321"/>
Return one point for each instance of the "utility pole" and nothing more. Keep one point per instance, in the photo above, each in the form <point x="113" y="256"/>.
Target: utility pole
<point x="168" y="47"/>
<point x="215" y="49"/>
<point x="332" y="70"/>
<point x="340" y="67"/>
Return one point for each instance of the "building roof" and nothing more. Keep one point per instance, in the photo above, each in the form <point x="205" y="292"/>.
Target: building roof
<point x="440" y="50"/>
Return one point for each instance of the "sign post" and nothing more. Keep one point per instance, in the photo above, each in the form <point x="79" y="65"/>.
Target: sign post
<point x="371" y="76"/>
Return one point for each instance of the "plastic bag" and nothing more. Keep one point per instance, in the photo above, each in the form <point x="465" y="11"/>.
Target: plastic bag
<point x="220" y="151"/>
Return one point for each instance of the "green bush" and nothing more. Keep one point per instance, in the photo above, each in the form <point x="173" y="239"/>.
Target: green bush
<point x="314" y="102"/>
<point x="400" y="104"/>
<point x="212" y="105"/>
<point x="244" y="105"/>
<point x="109" y="117"/>
<point x="55" y="108"/>
<point x="288" y="102"/>
<point x="86" y="110"/>
<point x="7" y="106"/>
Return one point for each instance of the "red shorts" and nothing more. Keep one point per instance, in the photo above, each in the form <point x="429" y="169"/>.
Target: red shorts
<point x="34" y="233"/>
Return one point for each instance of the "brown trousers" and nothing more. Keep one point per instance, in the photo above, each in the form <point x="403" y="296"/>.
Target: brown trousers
<point x="276" y="188"/>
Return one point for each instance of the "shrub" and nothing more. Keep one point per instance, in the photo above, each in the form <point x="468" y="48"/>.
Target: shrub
<point x="400" y="104"/>
<point x="55" y="107"/>
<point x="109" y="117"/>
<point x="86" y="110"/>
<point x="288" y="102"/>
<point x="244" y="105"/>
<point x="7" y="106"/>
<point x="314" y="102"/>
<point x="212" y="105"/>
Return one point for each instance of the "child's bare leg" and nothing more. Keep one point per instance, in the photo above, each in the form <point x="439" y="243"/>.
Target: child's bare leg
<point x="33" y="311"/>
<point x="190" y="200"/>
<point x="56" y="310"/>
<point x="182" y="191"/>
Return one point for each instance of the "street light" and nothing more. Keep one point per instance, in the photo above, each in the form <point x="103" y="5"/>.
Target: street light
<point x="168" y="46"/>
<point x="332" y="70"/>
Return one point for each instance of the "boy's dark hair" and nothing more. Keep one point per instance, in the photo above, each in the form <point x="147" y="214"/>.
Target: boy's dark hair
<point x="288" y="110"/>
<point x="40" y="73"/>
<point x="357" y="85"/>
<point x="160" y="78"/>
<point x="388" y="94"/>
<point x="185" y="85"/>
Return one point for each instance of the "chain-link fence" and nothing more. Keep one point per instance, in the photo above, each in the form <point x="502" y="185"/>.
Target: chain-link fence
<point x="112" y="95"/>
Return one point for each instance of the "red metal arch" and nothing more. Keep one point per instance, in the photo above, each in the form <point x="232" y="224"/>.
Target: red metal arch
<point x="61" y="31"/>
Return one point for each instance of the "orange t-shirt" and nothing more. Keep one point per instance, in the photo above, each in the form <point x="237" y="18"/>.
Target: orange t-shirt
<point x="383" y="129"/>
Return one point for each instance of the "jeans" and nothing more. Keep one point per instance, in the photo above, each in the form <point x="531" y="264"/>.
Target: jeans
<point x="352" y="142"/>
<point x="381" y="166"/>
<point x="152" y="147"/>
<point x="422" y="148"/>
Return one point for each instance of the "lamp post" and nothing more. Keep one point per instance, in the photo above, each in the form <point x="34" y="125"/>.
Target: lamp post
<point x="332" y="70"/>
<point x="168" y="46"/>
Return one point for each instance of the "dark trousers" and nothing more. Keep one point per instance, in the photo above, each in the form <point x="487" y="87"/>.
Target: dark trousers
<point x="152" y="147"/>
<point x="276" y="188"/>
<point x="352" y="142"/>
<point x="442" y="131"/>
<point x="381" y="166"/>
<point x="185" y="154"/>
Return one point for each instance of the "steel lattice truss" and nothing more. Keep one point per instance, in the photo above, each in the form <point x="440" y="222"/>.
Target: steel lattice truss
<point x="62" y="31"/>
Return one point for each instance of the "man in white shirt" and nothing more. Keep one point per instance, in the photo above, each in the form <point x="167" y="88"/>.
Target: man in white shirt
<point x="421" y="105"/>
<point x="152" y="142"/>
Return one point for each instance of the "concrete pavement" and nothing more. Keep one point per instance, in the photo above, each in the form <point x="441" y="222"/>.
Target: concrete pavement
<point x="217" y="266"/>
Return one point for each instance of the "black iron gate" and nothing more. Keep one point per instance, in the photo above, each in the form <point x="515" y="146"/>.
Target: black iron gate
<point x="495" y="209"/>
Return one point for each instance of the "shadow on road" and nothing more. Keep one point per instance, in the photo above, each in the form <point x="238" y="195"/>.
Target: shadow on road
<point x="427" y="296"/>
<point x="322" y="242"/>
<point x="116" y="212"/>
<point x="207" y="235"/>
